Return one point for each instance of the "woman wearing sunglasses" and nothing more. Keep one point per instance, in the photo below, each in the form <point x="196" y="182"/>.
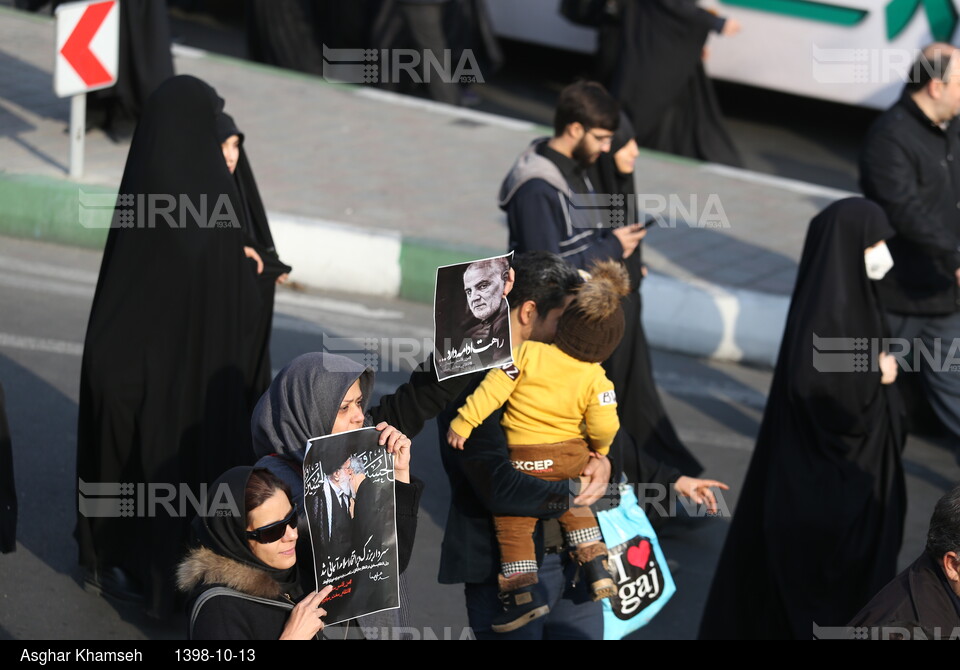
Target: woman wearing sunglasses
<point x="242" y="578"/>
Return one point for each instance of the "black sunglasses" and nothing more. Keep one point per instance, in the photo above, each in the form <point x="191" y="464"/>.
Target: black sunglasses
<point x="274" y="531"/>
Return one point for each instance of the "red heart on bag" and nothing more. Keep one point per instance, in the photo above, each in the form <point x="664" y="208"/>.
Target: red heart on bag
<point x="639" y="555"/>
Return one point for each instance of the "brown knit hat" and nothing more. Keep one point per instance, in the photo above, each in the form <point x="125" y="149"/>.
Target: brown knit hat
<point x="592" y="326"/>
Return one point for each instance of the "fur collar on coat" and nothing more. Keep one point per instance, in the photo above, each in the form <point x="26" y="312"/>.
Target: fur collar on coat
<point x="204" y="567"/>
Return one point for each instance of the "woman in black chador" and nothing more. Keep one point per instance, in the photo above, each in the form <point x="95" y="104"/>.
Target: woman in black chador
<point x="660" y="80"/>
<point x="169" y="362"/>
<point x="629" y="368"/>
<point x="819" y="522"/>
<point x="258" y="245"/>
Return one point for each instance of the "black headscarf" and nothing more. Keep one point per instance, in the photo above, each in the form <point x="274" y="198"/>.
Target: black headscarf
<point x="227" y="128"/>
<point x="607" y="179"/>
<point x="625" y="133"/>
<point x="225" y="534"/>
<point x="833" y="297"/>
<point x="819" y="522"/>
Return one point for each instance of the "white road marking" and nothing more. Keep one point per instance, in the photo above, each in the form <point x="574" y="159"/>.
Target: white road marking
<point x="47" y="270"/>
<point x="11" y="341"/>
<point x="335" y="306"/>
<point x="36" y="283"/>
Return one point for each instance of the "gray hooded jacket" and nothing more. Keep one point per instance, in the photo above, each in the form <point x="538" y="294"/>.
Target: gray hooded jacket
<point x="543" y="213"/>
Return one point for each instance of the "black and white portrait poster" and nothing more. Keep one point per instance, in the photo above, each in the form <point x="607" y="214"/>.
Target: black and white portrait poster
<point x="350" y="506"/>
<point x="472" y="317"/>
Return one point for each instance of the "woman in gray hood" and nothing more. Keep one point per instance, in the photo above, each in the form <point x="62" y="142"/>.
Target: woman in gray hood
<point x="321" y="394"/>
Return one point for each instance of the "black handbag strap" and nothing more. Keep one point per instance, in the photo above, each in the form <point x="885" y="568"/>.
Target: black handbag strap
<point x="224" y="591"/>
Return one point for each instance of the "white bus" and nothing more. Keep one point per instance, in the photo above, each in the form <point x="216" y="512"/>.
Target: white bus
<point x="852" y="51"/>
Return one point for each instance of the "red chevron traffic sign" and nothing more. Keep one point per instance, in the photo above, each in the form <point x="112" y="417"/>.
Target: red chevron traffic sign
<point x="87" y="45"/>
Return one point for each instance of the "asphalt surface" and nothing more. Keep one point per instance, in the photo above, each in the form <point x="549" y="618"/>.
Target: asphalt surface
<point x="45" y="295"/>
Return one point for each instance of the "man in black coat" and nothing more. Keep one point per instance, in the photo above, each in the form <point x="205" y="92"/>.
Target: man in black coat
<point x="910" y="165"/>
<point x="329" y="506"/>
<point x="927" y="594"/>
<point x="484" y="482"/>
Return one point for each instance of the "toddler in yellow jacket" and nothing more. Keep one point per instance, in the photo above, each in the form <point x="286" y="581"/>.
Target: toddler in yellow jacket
<point x="560" y="406"/>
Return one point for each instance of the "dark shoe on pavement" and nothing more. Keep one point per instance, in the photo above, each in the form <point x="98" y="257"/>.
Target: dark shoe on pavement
<point x="522" y="599"/>
<point x="595" y="570"/>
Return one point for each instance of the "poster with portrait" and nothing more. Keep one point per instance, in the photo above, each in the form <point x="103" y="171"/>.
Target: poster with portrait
<point x="471" y="317"/>
<point x="351" y="512"/>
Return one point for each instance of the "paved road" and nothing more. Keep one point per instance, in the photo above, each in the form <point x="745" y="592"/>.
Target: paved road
<point x="45" y="294"/>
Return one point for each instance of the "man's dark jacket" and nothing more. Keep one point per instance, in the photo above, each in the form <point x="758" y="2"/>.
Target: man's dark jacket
<point x="920" y="595"/>
<point x="911" y="167"/>
<point x="551" y="206"/>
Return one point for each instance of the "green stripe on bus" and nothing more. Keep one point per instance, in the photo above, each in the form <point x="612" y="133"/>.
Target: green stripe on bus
<point x="815" y="11"/>
<point x="941" y="16"/>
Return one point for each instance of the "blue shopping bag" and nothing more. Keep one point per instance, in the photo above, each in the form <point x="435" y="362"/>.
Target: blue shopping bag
<point x="639" y="569"/>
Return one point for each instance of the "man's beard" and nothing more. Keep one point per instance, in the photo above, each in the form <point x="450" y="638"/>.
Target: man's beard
<point x="581" y="155"/>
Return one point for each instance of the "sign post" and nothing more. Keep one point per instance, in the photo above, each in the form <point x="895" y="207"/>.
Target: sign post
<point x="78" y="131"/>
<point x="88" y="37"/>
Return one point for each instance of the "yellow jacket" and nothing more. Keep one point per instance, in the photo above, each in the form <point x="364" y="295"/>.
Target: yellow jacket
<point x="549" y="396"/>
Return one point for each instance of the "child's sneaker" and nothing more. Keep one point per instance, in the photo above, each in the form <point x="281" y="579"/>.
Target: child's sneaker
<point x="595" y="570"/>
<point x="522" y="599"/>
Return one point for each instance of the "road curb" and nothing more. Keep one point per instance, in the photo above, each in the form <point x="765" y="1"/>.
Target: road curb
<point x="46" y="208"/>
<point x="707" y="320"/>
